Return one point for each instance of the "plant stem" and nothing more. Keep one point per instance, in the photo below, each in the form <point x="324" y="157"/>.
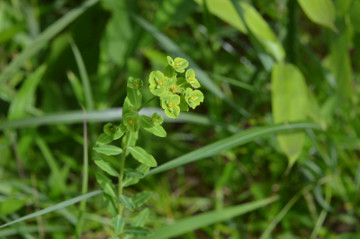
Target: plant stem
<point x="121" y="172"/>
<point x="84" y="187"/>
<point x="147" y="102"/>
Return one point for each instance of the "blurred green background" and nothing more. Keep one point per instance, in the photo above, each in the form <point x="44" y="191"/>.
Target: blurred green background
<point x="265" y="67"/>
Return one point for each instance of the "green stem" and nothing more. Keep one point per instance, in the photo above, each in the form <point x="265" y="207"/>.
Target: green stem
<point x="147" y="102"/>
<point x="84" y="187"/>
<point x="121" y="172"/>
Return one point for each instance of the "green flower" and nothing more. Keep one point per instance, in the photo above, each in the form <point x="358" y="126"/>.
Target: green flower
<point x="134" y="83"/>
<point x="190" y="77"/>
<point x="159" y="83"/>
<point x="170" y="104"/>
<point x="179" y="64"/>
<point x="193" y="97"/>
<point x="132" y="121"/>
<point x="157" y="119"/>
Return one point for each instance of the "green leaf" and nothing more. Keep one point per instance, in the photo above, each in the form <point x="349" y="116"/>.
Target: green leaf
<point x="141" y="218"/>
<point x="133" y="173"/>
<point x="119" y="224"/>
<point x="108" y="149"/>
<point x="25" y="97"/>
<point x="148" y="124"/>
<point x="133" y="179"/>
<point x="104" y="139"/>
<point x="321" y="12"/>
<point x="193" y="223"/>
<point x="142" y="156"/>
<point x="105" y="166"/>
<point x="255" y="22"/>
<point x="134" y="97"/>
<point x="11" y="205"/>
<point x="141" y="198"/>
<point x="289" y="104"/>
<point x="127" y="202"/>
<point x="139" y="231"/>
<point x="106" y="184"/>
<point x="193" y="97"/>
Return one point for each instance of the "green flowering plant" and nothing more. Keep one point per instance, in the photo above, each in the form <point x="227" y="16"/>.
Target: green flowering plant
<point x="177" y="89"/>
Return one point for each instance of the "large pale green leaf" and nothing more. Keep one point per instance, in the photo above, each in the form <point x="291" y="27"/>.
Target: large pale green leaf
<point x="289" y="104"/>
<point x="208" y="218"/>
<point x="225" y="10"/>
<point x="108" y="149"/>
<point x="319" y="11"/>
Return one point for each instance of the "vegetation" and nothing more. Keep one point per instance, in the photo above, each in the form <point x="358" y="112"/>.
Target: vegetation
<point x="271" y="152"/>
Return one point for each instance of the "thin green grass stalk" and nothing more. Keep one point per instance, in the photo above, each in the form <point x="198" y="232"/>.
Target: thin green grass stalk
<point x="83" y="75"/>
<point x="84" y="188"/>
<point x="323" y="214"/>
<point x="282" y="213"/>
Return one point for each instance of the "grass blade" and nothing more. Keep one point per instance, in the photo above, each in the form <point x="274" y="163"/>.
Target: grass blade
<point x="83" y="75"/>
<point x="205" y="219"/>
<point x="54" y="208"/>
<point x="44" y="38"/>
<point x="231" y="142"/>
<point x="113" y="114"/>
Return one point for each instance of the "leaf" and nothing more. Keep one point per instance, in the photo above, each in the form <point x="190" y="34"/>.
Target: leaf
<point x="140" y="231"/>
<point x="105" y="166"/>
<point x="193" y="223"/>
<point x="119" y="224"/>
<point x="25" y="96"/>
<point x="321" y="12"/>
<point x="133" y="173"/>
<point x="38" y="43"/>
<point x="104" y="139"/>
<point x="134" y="97"/>
<point x="141" y="198"/>
<point x="141" y="218"/>
<point x="106" y="184"/>
<point x="257" y="25"/>
<point x="127" y="202"/>
<point x="289" y="104"/>
<point x="108" y="149"/>
<point x="142" y="156"/>
<point x="147" y="123"/>
<point x="11" y="205"/>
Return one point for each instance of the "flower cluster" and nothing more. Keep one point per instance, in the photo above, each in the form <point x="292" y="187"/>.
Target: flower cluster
<point x="176" y="87"/>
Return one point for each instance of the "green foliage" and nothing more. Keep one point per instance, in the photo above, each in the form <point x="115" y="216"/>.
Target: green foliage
<point x="271" y="153"/>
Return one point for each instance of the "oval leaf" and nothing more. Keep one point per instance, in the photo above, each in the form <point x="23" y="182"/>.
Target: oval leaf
<point x="147" y="123"/>
<point x="289" y="104"/>
<point x="140" y="198"/>
<point x="321" y="12"/>
<point x="142" y="156"/>
<point x="119" y="224"/>
<point x="105" y="166"/>
<point x="108" y="149"/>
